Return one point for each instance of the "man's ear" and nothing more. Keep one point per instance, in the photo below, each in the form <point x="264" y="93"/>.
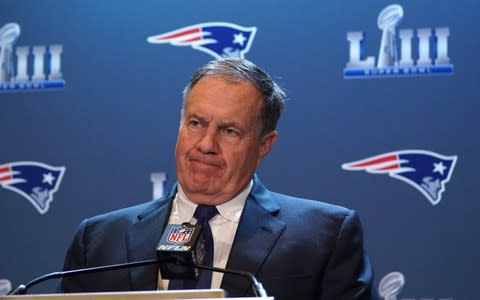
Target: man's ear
<point x="266" y="143"/>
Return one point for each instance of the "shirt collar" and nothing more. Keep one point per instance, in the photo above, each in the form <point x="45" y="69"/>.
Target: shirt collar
<point x="231" y="210"/>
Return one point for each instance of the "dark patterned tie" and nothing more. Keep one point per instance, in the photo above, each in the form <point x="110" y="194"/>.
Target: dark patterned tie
<point x="204" y="251"/>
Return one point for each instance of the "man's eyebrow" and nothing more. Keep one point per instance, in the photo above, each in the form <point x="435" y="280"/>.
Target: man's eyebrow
<point x="222" y="123"/>
<point x="229" y="124"/>
<point x="195" y="116"/>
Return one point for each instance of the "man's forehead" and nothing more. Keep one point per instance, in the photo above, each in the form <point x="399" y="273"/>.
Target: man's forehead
<point x="224" y="116"/>
<point x="222" y="80"/>
<point x="215" y="88"/>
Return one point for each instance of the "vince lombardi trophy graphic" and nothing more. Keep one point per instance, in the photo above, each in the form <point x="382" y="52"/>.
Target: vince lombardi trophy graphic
<point x="8" y="34"/>
<point x="388" y="19"/>
<point x="391" y="285"/>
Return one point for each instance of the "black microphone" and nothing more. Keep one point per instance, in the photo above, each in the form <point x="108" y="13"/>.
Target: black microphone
<point x="178" y="245"/>
<point x="177" y="249"/>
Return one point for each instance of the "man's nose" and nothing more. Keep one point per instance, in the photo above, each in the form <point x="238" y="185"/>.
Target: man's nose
<point x="208" y="143"/>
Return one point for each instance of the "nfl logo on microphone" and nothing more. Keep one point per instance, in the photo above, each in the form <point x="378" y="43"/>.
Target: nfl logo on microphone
<point x="180" y="235"/>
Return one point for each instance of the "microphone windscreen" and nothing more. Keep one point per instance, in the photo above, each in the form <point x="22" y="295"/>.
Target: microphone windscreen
<point x="176" y="251"/>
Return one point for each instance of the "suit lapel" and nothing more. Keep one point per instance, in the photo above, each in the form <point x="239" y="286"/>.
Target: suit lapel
<point x="142" y="239"/>
<point x="257" y="233"/>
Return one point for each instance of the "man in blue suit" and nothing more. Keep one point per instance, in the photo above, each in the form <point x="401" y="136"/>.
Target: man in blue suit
<point x="298" y="248"/>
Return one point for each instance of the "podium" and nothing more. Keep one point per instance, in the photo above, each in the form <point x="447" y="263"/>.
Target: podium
<point x="139" y="295"/>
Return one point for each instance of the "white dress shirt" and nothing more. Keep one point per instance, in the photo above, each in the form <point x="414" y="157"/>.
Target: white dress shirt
<point x="224" y="226"/>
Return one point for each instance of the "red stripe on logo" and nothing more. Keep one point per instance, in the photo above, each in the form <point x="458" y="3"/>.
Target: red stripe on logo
<point x="380" y="160"/>
<point x="6" y="178"/>
<point x="392" y="167"/>
<point x="5" y="170"/>
<point x="175" y="35"/>
<point x="192" y="40"/>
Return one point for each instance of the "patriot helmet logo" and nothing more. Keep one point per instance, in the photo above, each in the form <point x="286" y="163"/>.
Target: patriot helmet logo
<point x="219" y="39"/>
<point x="180" y="234"/>
<point x="426" y="171"/>
<point x="35" y="181"/>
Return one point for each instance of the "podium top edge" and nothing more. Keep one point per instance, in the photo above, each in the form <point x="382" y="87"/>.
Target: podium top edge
<point x="130" y="295"/>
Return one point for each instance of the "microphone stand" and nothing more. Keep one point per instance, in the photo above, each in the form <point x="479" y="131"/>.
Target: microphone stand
<point x="22" y="288"/>
<point x="257" y="287"/>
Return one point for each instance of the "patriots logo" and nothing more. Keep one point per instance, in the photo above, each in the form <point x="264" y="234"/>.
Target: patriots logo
<point x="33" y="180"/>
<point x="219" y="39"/>
<point x="426" y="171"/>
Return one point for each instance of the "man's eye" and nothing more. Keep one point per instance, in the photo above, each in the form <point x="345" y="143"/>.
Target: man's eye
<point x="231" y="132"/>
<point x="194" y="123"/>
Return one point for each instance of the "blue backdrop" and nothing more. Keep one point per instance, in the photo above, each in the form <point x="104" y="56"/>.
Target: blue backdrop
<point x="110" y="118"/>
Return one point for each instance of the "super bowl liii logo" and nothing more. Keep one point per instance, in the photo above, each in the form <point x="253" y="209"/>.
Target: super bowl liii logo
<point x="413" y="43"/>
<point x="45" y="63"/>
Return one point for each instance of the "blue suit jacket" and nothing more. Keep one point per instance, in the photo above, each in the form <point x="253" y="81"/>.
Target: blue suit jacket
<point x="297" y="248"/>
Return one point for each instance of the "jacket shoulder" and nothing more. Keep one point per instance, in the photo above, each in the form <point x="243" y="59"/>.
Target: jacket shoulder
<point x="125" y="217"/>
<point x="297" y="204"/>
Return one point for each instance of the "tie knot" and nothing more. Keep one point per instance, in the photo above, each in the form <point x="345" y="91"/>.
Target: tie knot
<point x="204" y="213"/>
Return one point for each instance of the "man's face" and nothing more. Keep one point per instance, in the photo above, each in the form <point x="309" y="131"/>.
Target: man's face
<point x="218" y="147"/>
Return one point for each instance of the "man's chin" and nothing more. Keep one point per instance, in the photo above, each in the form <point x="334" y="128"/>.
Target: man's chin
<point x="207" y="186"/>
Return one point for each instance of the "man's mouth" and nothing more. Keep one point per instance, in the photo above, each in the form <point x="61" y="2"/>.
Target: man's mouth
<point x="202" y="163"/>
